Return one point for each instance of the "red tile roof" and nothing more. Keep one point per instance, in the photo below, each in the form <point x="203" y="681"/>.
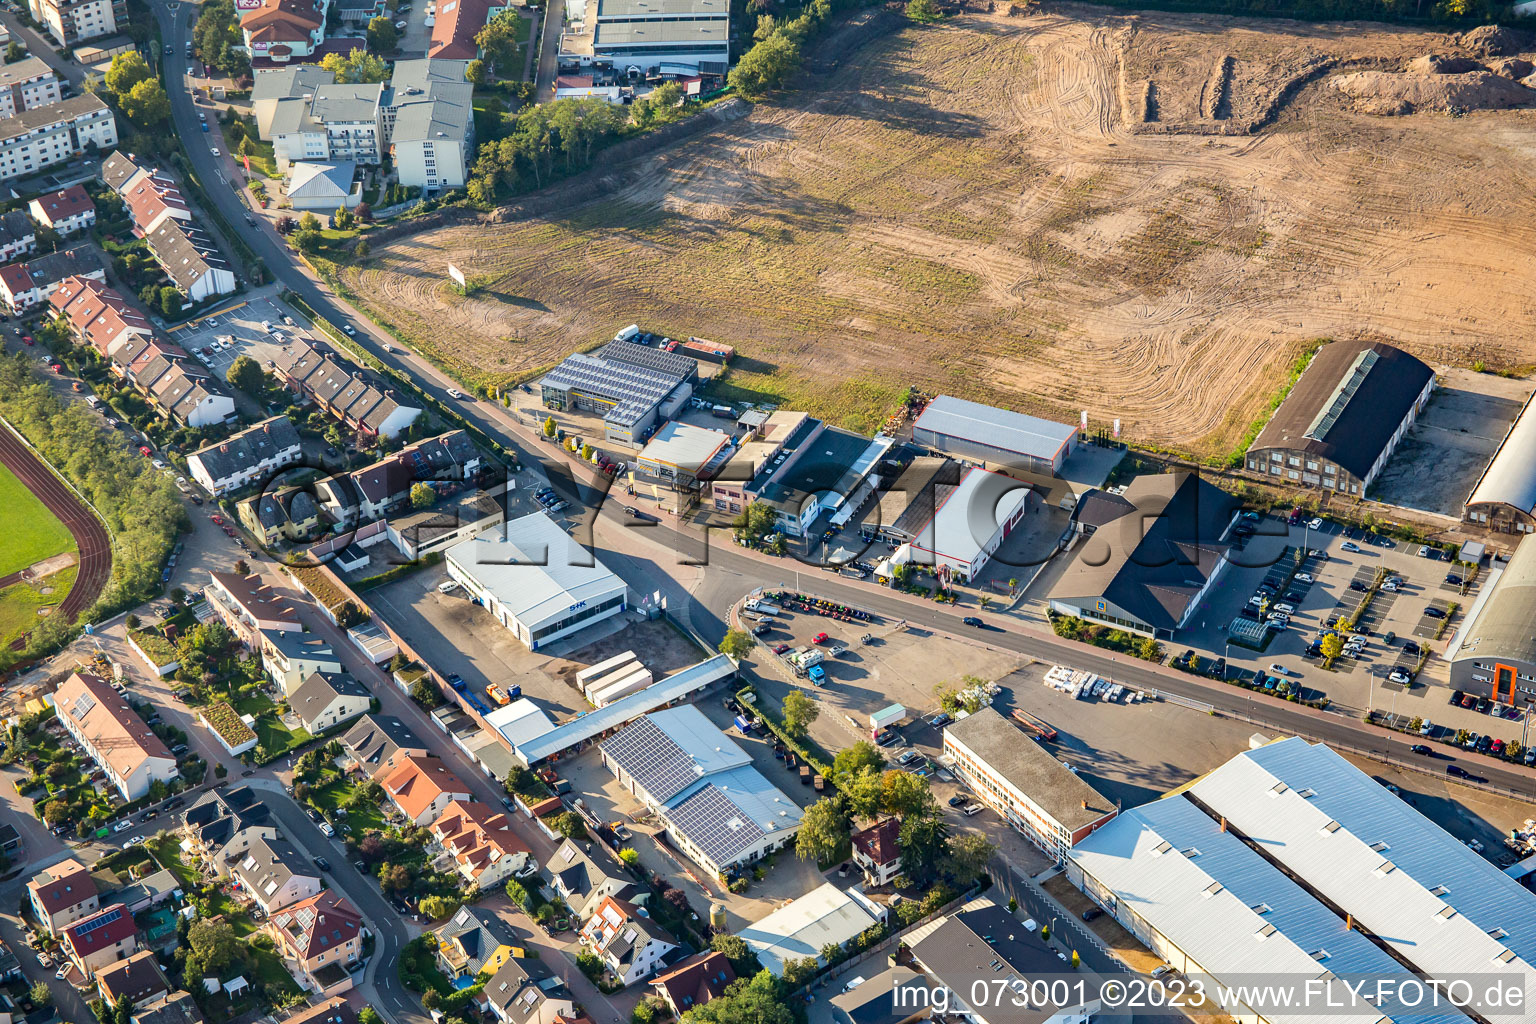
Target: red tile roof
<point x="101" y="930"/>
<point x="64" y="885"/>
<point x="457" y="24"/>
<point x="477" y="835"/>
<point x="878" y="842"/>
<point x="415" y="782"/>
<point x="696" y="980"/>
<point x="62" y="205"/>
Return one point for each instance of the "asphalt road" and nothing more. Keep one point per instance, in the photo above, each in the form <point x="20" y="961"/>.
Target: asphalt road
<point x="42" y="48"/>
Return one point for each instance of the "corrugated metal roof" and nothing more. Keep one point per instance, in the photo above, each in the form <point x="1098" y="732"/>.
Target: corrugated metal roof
<point x="1440" y="905"/>
<point x="1510" y="478"/>
<point x="1502" y="623"/>
<point x="1231" y="911"/>
<point x="970" y="516"/>
<point x="996" y="428"/>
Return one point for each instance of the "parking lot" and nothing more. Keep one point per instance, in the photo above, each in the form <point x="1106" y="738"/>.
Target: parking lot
<point x="217" y="340"/>
<point x="1445" y="451"/>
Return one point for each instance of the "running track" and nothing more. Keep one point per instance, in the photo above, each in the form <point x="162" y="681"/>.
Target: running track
<point x="90" y="537"/>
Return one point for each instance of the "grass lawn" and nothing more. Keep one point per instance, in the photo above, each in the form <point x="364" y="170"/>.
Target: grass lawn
<point x="31" y="531"/>
<point x="19" y="603"/>
<point x="329" y="798"/>
<point x="168" y="854"/>
<point x="271" y="733"/>
<point x="263" y="162"/>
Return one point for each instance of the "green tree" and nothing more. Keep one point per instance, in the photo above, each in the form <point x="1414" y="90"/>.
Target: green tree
<point x="14" y="52"/>
<point x="863" y="790"/>
<point x="517" y="894"/>
<point x="737" y="643"/>
<point x="217" y="36"/>
<point x="799" y="712"/>
<point x="743" y="960"/>
<point x="1077" y="961"/>
<point x="39" y="991"/>
<point x="659" y="106"/>
<point x="762" y="999"/>
<point x="903" y="794"/>
<point x="146" y="103"/>
<point x="569" y="825"/>
<point x="922" y="11"/>
<point x="423" y="495"/>
<point x="968" y="857"/>
<point x="55" y="813"/>
<point x="307" y="242"/>
<point x="246" y="374"/>
<point x="852" y="759"/>
<point x="798" y="972"/>
<point x="309" y="222"/>
<point x="823" y="831"/>
<point x="766" y="67"/>
<point x="498" y="42"/>
<point x="475" y="73"/>
<point x="755" y="520"/>
<point x="923" y="841"/>
<point x="126" y="71"/>
<point x="424" y="692"/>
<point x="361" y="251"/>
<point x="382" y="35"/>
<point x="214" y="943"/>
<point x="437" y="907"/>
<point x="170" y="302"/>
<point x="357" y="68"/>
<point x="368" y="1015"/>
<point x="1147" y="649"/>
<point x="343" y="218"/>
<point x="551" y="428"/>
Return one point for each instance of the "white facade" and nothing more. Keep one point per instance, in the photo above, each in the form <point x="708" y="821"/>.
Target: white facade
<point x="431" y="163"/>
<point x="36" y="139"/>
<point x="26" y="85"/>
<point x="70" y="21"/>
<point x="233" y="478"/>
<point x="530" y="575"/>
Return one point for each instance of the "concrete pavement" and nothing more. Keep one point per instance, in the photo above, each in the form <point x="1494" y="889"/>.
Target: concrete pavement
<point x="41" y="47"/>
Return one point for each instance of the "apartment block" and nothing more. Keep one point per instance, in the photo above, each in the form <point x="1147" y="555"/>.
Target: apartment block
<point x="39" y="138"/>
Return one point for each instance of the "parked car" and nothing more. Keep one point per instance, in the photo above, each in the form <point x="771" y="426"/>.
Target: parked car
<point x="1279" y="669"/>
<point x="1434" y="613"/>
<point x="322" y="864"/>
<point x="1092" y="913"/>
<point x="1397" y="675"/>
<point x="1304" y="577"/>
<point x="1350" y="545"/>
<point x="1315" y="524"/>
<point x="326" y="830"/>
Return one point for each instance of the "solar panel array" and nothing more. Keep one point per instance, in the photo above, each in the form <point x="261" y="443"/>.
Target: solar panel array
<point x="715" y="825"/>
<point x="100" y="921"/>
<point x="632" y="389"/>
<point x="652" y="759"/>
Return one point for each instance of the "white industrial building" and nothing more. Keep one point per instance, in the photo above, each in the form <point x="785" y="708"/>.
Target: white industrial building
<point x="646" y="38"/>
<point x="536" y="580"/>
<point x="994" y="437"/>
<point x="804" y="927"/>
<point x="971" y="524"/>
<point x="1436" y="903"/>
<point x="717" y="807"/>
<point x="1217" y="911"/>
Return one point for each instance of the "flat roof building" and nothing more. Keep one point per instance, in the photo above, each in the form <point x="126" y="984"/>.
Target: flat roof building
<point x="627" y="395"/>
<point x="1435" y="903"/>
<point x="997" y="438"/>
<point x="1504" y="497"/>
<point x="804" y="927"/>
<point x="1341" y="421"/>
<point x="535" y="580"/>
<point x="657" y="36"/>
<point x="1205" y="902"/>
<point x="1045" y="801"/>
<point x="1493" y="653"/>
<point x="1153" y="552"/>
<point x="908" y="504"/>
<point x="670" y="466"/>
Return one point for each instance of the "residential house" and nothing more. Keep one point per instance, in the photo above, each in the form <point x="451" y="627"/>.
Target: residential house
<point x="290" y="657"/>
<point x="693" y="981"/>
<point x="66" y="211"/>
<point x="113" y="735"/>
<point x="327" y="699"/>
<point x="104" y="938"/>
<point x="283" y="29"/>
<point x="457" y="24"/>
<point x="222" y="861"/>
<point x="98" y="316"/>
<point x="321" y="940"/>
<point x="898" y="995"/>
<point x="71" y="21"/>
<point x="219" y="815"/>
<point x="876" y="852"/>
<point x="250" y="456"/>
<point x="176" y="1008"/>
<point x="18" y="236"/>
<point x="36" y="139"/>
<point x="341" y="392"/>
<point x="324" y="186"/>
<point x="422" y="787"/>
<point x="154" y="200"/>
<point x="481" y="842"/>
<point x="476" y="940"/>
<point x="629" y="943"/>
<point x="275" y="874"/>
<point x="147" y="891"/>
<point x="27" y="84"/>
<point x="334" y="1010"/>
<point x="62" y="894"/>
<point x="585" y="880"/>
<point x="121" y="172"/>
<point x="139" y="978"/>
<point x="374" y="740"/>
<point x="248" y="606"/>
<point x="180" y="389"/>
<point x="528" y="992"/>
<point x="25" y="285"/>
<point x="290" y="514"/>
<point x="191" y="260"/>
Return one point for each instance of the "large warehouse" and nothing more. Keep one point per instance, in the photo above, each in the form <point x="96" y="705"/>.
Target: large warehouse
<point x="1494" y="652"/>
<point x="535" y="580"/>
<point x="1038" y="795"/>
<point x="1505" y="496"/>
<point x="1198" y="897"/>
<point x="994" y="437"/>
<point x="1339" y="424"/>
<point x="1435" y="903"/>
<point x="972" y="522"/>
<point x="631" y="386"/>
<point x="1152" y="553"/>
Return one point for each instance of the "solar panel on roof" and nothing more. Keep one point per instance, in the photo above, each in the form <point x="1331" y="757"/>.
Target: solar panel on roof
<point x="87" y="927"/>
<point x="650" y="757"/>
<point x="713" y="822"/>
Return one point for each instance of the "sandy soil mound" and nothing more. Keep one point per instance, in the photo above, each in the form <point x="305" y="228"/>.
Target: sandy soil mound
<point x="1381" y="92"/>
<point x="1496" y="41"/>
<point x="1511" y="67"/>
<point x="1443" y="64"/>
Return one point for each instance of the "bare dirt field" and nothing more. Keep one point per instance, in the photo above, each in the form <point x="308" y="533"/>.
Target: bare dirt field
<point x="1143" y="215"/>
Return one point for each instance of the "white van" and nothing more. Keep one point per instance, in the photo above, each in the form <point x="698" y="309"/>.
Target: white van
<point x="629" y="333"/>
<point x="92" y="401"/>
<point x="448" y="587"/>
<point x="1285" y="609"/>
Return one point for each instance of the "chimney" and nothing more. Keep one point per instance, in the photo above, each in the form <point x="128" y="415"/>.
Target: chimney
<point x="1085" y="805"/>
<point x="1223" y="823"/>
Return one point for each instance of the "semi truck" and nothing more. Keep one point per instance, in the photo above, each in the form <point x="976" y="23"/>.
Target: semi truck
<point x="803" y="658"/>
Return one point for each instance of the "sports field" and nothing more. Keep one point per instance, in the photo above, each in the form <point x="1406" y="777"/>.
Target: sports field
<point x="31" y="533"/>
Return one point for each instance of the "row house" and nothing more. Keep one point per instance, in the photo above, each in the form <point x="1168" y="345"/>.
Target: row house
<point x="182" y="390"/>
<point x="248" y="606"/>
<point x="113" y="735"/>
<point x="97" y="315"/>
<point x="26" y="285"/>
<point x="342" y="393"/>
<point x="242" y="459"/>
<point x="191" y="260"/>
<point x="39" y="138"/>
